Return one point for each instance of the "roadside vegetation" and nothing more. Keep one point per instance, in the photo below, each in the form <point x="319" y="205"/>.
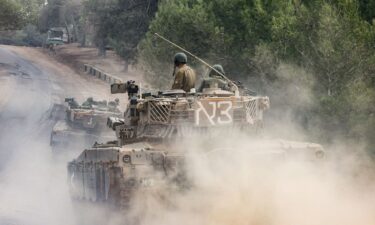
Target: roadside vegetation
<point x="315" y="58"/>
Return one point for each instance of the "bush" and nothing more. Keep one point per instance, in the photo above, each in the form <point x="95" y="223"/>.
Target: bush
<point x="28" y="36"/>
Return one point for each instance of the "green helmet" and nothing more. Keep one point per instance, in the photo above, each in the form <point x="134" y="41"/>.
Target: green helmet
<point x="179" y="58"/>
<point x="217" y="67"/>
<point x="90" y="99"/>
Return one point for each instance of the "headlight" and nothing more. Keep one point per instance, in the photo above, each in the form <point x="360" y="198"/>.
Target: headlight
<point x="126" y="159"/>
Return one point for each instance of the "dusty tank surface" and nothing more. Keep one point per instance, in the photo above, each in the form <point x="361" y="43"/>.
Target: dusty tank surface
<point x="157" y="132"/>
<point x="84" y="123"/>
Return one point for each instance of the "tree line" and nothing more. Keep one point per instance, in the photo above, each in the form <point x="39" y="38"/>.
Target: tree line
<point x="315" y="58"/>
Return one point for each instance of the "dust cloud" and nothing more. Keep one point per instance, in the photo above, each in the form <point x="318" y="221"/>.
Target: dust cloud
<point x="250" y="184"/>
<point x="33" y="178"/>
<point x="245" y="184"/>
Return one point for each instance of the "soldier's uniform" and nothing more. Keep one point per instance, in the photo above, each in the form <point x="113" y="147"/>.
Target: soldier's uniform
<point x="215" y="80"/>
<point x="73" y="104"/>
<point x="88" y="103"/>
<point x="184" y="78"/>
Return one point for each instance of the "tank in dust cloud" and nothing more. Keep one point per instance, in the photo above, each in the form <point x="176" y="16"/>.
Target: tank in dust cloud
<point x="148" y="153"/>
<point x="84" y="123"/>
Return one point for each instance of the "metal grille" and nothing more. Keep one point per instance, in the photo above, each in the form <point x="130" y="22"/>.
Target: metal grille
<point x="159" y="111"/>
<point x="251" y="110"/>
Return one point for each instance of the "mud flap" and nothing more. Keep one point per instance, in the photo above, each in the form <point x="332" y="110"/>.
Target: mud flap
<point x="102" y="183"/>
<point x="75" y="180"/>
<point x="89" y="182"/>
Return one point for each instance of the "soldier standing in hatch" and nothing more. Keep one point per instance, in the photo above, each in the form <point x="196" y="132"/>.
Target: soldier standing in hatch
<point x="184" y="75"/>
<point x="88" y="103"/>
<point x="216" y="80"/>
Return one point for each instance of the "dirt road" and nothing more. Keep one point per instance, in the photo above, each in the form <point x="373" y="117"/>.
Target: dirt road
<point x="33" y="186"/>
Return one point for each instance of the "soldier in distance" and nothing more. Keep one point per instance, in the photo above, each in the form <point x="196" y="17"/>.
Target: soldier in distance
<point x="88" y="103"/>
<point x="184" y="75"/>
<point x="215" y="80"/>
<point x="73" y="104"/>
<point x="112" y="105"/>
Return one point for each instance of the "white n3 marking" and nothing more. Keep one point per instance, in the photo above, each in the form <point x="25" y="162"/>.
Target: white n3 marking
<point x="209" y="117"/>
<point x="90" y="121"/>
<point x="225" y="113"/>
<point x="223" y="117"/>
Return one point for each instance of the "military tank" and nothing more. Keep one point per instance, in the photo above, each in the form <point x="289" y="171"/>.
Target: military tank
<point x="157" y="131"/>
<point x="85" y="123"/>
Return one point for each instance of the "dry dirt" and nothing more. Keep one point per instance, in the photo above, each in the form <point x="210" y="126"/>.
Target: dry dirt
<point x="63" y="75"/>
<point x="4" y="86"/>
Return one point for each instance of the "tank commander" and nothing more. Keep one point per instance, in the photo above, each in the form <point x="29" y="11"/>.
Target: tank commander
<point x="73" y="104"/>
<point x="184" y="75"/>
<point x="88" y="103"/>
<point x="215" y="80"/>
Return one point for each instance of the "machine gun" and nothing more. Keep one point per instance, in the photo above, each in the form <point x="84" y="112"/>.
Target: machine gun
<point x="244" y="90"/>
<point x="133" y="90"/>
<point x="73" y="104"/>
<point x="129" y="87"/>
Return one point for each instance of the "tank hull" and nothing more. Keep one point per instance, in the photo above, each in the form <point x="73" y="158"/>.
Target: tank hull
<point x="115" y="175"/>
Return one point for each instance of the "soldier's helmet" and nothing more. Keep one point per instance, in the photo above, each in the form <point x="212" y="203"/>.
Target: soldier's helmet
<point x="180" y="57"/>
<point x="90" y="99"/>
<point x="217" y="67"/>
<point x="117" y="100"/>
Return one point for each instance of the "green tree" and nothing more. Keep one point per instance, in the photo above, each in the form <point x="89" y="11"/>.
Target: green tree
<point x="130" y="23"/>
<point x="98" y="13"/>
<point x="11" y="17"/>
<point x="183" y="22"/>
<point x="31" y="9"/>
<point x="320" y="46"/>
<point x="367" y="9"/>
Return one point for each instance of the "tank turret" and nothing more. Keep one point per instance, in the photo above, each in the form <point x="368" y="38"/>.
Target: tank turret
<point x="175" y="114"/>
<point x="83" y="123"/>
